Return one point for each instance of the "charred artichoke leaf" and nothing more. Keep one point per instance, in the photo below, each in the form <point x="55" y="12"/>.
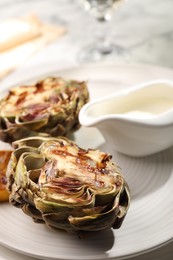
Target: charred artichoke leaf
<point x="68" y="187"/>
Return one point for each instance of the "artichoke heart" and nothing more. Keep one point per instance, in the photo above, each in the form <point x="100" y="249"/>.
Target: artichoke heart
<point x="67" y="187"/>
<point x="49" y="107"/>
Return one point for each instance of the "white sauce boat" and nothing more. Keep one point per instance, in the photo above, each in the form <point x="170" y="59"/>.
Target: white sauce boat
<point x="136" y="121"/>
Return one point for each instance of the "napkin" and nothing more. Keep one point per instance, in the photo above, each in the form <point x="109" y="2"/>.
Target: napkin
<point x="21" y="38"/>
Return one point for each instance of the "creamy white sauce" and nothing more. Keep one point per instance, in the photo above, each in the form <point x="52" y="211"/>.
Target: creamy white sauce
<point x="147" y="109"/>
<point x="143" y="103"/>
<point x="139" y="114"/>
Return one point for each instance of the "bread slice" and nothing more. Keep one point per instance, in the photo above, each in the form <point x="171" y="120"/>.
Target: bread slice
<point x="4" y="159"/>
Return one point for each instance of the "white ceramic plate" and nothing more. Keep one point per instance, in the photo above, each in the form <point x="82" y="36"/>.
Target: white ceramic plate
<point x="148" y="223"/>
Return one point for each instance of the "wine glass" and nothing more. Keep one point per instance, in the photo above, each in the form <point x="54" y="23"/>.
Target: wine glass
<point x="103" y="46"/>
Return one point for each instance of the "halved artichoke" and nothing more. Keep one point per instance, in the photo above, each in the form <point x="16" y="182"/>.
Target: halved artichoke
<point x="67" y="187"/>
<point x="51" y="106"/>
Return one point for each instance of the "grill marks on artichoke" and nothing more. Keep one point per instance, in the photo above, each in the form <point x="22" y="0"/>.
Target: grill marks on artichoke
<point x="50" y="106"/>
<point x="66" y="186"/>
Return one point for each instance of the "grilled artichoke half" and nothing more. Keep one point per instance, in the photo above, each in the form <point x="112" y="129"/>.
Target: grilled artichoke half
<point x="51" y="106"/>
<point x="54" y="180"/>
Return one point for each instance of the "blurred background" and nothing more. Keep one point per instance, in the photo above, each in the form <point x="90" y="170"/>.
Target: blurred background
<point x="143" y="28"/>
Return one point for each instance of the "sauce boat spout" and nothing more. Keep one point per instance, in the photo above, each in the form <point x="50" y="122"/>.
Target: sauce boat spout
<point x="137" y="121"/>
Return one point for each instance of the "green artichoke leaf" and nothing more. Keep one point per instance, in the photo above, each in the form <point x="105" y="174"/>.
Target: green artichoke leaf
<point x="60" y="219"/>
<point x="84" y="200"/>
<point x="26" y="163"/>
<point x="105" y="218"/>
<point x="105" y="195"/>
<point x="33" y="142"/>
<point x="98" y="221"/>
<point x="57" y="220"/>
<point x="94" y="218"/>
<point x="32" y="125"/>
<point x="45" y="206"/>
<point x="20" y="175"/>
<point x="59" y="200"/>
<point x="31" y="211"/>
<point x="24" y="149"/>
<point x="11" y="170"/>
<point x="124" y="202"/>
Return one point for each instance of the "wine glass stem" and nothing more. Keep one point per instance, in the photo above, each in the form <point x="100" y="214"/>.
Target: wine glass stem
<point x="103" y="44"/>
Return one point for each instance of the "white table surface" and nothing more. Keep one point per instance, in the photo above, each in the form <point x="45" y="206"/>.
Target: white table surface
<point x="143" y="27"/>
